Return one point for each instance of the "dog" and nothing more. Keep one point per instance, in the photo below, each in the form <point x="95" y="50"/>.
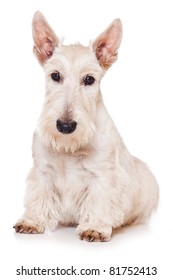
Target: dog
<point x="82" y="173"/>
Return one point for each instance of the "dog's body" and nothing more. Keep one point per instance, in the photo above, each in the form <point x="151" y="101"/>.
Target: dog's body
<point x="82" y="174"/>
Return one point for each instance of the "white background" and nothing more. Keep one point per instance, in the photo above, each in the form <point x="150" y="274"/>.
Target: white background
<point x="138" y="92"/>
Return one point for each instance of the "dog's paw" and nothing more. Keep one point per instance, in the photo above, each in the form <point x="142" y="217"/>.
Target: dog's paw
<point x="92" y="235"/>
<point x="90" y="231"/>
<point x="24" y="227"/>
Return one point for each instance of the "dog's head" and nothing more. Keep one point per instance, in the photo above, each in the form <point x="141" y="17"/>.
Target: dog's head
<point x="69" y="118"/>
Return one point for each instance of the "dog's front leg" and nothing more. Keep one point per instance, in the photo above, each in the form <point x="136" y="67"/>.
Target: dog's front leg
<point x="41" y="204"/>
<point x="96" y="217"/>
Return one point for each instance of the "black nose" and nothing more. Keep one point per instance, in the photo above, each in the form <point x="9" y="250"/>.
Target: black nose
<point x="66" y="127"/>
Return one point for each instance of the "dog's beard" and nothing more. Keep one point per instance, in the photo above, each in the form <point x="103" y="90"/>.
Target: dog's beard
<point x="78" y="142"/>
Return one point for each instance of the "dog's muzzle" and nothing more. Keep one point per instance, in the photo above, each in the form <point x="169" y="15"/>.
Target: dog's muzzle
<point x="66" y="127"/>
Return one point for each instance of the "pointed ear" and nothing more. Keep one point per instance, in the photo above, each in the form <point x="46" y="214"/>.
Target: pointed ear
<point x="107" y="44"/>
<point x="44" y="38"/>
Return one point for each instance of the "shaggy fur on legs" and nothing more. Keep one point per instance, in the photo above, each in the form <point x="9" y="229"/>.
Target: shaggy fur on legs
<point x="82" y="172"/>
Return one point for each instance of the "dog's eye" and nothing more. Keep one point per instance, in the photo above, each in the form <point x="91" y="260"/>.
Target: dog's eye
<point x="56" y="77"/>
<point x="89" y="80"/>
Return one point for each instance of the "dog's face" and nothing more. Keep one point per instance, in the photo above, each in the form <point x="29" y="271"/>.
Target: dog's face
<point x="73" y="74"/>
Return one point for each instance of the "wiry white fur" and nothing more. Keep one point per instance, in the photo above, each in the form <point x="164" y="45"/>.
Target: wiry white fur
<point x="88" y="177"/>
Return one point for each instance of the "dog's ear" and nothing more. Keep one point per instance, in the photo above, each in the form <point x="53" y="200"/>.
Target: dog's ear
<point x="45" y="40"/>
<point x="107" y="44"/>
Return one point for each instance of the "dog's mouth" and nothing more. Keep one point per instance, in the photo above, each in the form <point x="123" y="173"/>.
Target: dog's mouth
<point x="66" y="127"/>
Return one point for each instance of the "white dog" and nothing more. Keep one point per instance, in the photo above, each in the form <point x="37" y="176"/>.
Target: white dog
<point x="82" y="172"/>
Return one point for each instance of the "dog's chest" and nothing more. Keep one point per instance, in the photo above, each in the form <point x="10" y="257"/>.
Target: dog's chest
<point x="68" y="173"/>
<point x="72" y="182"/>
